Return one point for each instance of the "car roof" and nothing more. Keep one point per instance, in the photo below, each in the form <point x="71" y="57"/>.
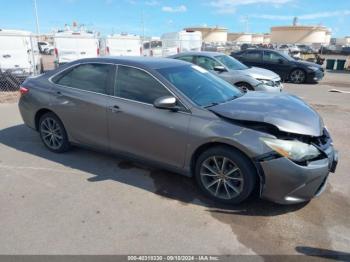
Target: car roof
<point x="261" y="49"/>
<point x="199" y="53"/>
<point x="143" y="62"/>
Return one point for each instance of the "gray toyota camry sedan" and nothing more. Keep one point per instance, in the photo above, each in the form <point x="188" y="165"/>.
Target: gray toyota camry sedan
<point x="178" y="116"/>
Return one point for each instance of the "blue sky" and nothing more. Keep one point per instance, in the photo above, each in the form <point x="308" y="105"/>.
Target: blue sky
<point x="161" y="16"/>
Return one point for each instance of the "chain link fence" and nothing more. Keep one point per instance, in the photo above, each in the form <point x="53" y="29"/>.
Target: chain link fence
<point x="19" y="58"/>
<point x="9" y="86"/>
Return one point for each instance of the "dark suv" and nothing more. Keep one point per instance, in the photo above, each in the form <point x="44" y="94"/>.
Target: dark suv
<point x="289" y="69"/>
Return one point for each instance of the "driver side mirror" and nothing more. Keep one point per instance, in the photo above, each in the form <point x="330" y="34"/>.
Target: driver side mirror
<point x="166" y="102"/>
<point x="280" y="61"/>
<point x="220" y="69"/>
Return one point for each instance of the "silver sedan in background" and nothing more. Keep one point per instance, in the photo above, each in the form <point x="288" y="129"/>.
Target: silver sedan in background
<point x="233" y="71"/>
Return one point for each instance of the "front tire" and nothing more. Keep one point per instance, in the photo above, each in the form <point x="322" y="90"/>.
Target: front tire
<point x="297" y="76"/>
<point x="225" y="175"/>
<point x="53" y="133"/>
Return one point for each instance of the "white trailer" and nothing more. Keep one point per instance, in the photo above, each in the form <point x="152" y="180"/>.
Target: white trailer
<point x="122" y="45"/>
<point x="73" y="45"/>
<point x="152" y="47"/>
<point x="183" y="41"/>
<point x="19" y="53"/>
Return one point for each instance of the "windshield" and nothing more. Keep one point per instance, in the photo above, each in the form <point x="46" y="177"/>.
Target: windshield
<point x="202" y="87"/>
<point x="230" y="62"/>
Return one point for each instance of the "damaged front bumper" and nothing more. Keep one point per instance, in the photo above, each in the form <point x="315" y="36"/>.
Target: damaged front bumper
<point x="286" y="182"/>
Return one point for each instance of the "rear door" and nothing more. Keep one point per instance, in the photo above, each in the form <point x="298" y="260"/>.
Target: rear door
<point x="79" y="99"/>
<point x="87" y="47"/>
<point x="14" y="53"/>
<point x="137" y="128"/>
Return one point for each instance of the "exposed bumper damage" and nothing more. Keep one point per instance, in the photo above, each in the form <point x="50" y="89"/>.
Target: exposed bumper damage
<point x="287" y="182"/>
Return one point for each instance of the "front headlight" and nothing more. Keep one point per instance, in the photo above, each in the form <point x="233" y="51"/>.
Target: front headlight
<point x="313" y="68"/>
<point x="267" y="82"/>
<point x="292" y="149"/>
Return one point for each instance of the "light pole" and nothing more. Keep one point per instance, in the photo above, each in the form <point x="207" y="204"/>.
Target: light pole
<point x="36" y="17"/>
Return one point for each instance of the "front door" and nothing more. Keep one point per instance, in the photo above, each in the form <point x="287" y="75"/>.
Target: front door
<point x="276" y="63"/>
<point x="138" y="128"/>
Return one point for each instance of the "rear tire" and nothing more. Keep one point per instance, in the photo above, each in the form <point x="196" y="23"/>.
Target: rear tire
<point x="53" y="133"/>
<point x="225" y="175"/>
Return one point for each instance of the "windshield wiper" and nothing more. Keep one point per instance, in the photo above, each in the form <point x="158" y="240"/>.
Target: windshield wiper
<point x="211" y="104"/>
<point x="232" y="98"/>
<point x="217" y="103"/>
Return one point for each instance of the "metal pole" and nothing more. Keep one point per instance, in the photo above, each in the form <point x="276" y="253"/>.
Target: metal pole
<point x="35" y="72"/>
<point x="36" y="17"/>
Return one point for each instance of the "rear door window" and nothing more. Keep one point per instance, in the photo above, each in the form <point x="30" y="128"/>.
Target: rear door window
<point x="88" y="77"/>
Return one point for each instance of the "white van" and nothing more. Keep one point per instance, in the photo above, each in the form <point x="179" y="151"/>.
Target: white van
<point x="183" y="41"/>
<point x="123" y="45"/>
<point x="19" y="53"/>
<point x="73" y="45"/>
<point x="152" y="47"/>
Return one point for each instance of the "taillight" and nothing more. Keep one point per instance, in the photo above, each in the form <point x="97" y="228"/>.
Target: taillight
<point x="108" y="50"/>
<point x="151" y="53"/>
<point x="98" y="51"/>
<point x="141" y="51"/>
<point x="23" y="90"/>
<point x="178" y="50"/>
<point x="56" y="51"/>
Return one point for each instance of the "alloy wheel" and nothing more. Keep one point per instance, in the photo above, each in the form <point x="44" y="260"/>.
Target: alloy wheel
<point x="221" y="177"/>
<point x="51" y="133"/>
<point x="297" y="76"/>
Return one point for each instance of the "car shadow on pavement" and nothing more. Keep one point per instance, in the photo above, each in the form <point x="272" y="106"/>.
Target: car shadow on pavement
<point x="323" y="253"/>
<point x="104" y="167"/>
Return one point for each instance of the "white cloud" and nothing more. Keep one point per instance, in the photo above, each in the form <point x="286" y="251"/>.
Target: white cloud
<point x="310" y="16"/>
<point x="229" y="6"/>
<point x="174" y="9"/>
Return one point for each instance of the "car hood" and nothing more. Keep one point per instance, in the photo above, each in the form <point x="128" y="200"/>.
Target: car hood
<point x="287" y="112"/>
<point x="260" y="73"/>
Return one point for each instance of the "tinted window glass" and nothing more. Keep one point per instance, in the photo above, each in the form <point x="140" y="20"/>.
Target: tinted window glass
<point x="138" y="85"/>
<point x="272" y="57"/>
<point x="231" y="63"/>
<point x="207" y="62"/>
<point x="88" y="77"/>
<point x="186" y="58"/>
<point x="202" y="87"/>
<point x="253" y="55"/>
